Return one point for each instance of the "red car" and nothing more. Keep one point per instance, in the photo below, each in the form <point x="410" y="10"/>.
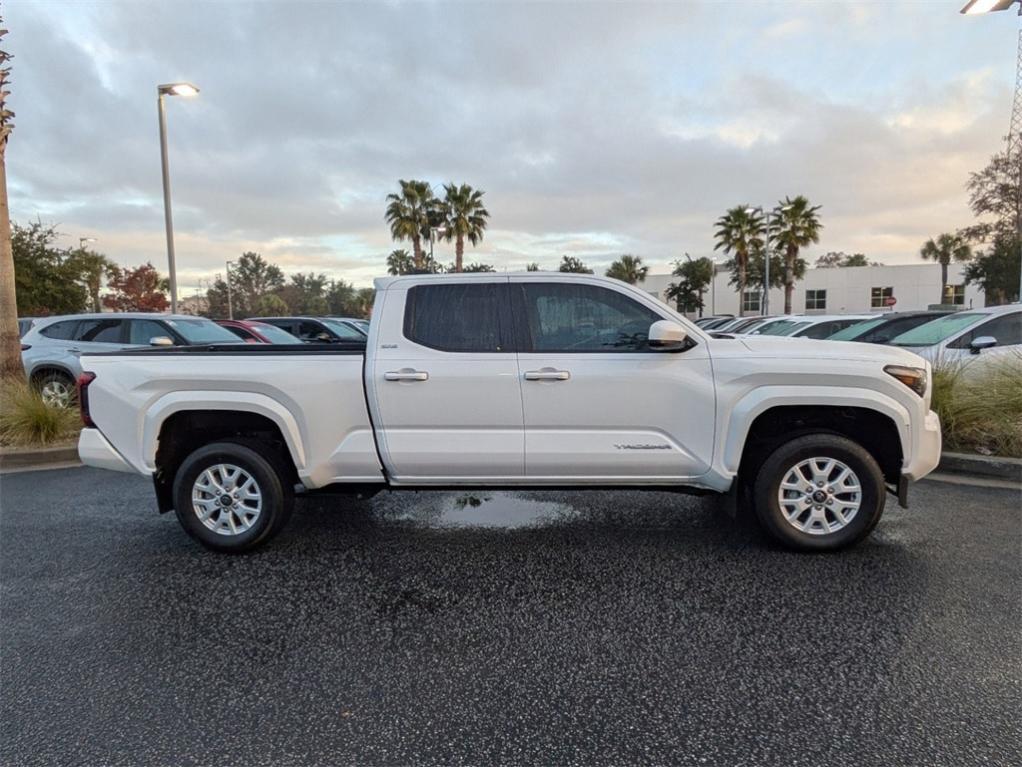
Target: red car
<point x="258" y="332"/>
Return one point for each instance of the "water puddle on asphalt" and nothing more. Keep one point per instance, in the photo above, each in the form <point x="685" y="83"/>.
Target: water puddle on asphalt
<point x="490" y="510"/>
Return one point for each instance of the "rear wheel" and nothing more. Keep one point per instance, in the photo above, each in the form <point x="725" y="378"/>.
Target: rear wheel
<point x="819" y="492"/>
<point x="231" y="497"/>
<point x="57" y="389"/>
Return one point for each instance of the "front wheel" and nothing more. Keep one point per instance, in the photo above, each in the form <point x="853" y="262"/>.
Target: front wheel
<point x="819" y="492"/>
<point x="230" y="497"/>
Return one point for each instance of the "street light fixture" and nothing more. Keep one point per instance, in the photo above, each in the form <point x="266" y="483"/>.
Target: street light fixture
<point x="985" y="6"/>
<point x="83" y="240"/>
<point x="766" y="253"/>
<point x="169" y="89"/>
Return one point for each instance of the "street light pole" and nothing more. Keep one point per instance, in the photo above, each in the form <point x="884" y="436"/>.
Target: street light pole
<point x="230" y="303"/>
<point x="170" y="89"/>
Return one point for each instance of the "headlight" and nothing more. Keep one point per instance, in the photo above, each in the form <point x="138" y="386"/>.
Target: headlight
<point x="913" y="378"/>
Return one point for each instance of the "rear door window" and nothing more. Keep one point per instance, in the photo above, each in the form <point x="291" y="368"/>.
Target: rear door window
<point x="100" y="331"/>
<point x="459" y="318"/>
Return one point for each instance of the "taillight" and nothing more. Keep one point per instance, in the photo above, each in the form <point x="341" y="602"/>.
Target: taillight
<point x="83" y="398"/>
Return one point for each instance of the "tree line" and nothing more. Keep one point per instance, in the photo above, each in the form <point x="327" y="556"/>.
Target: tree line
<point x="259" y="288"/>
<point x="53" y="280"/>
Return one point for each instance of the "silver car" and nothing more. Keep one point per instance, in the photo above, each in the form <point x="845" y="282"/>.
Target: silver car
<point x="51" y="347"/>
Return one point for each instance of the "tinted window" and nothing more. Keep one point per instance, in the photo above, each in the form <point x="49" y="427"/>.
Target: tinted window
<point x="1007" y="329"/>
<point x="142" y="331"/>
<point x="862" y="331"/>
<point x="563" y="317"/>
<point x="457" y="318"/>
<point x="62" y="331"/>
<point x="312" y="331"/>
<point x="99" y="331"/>
<point x="239" y="332"/>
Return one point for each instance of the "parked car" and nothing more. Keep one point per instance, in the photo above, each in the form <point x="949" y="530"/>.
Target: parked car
<point x="715" y="320"/>
<point x="354" y="322"/>
<point x="518" y="380"/>
<point x="253" y="332"/>
<point x="881" y="329"/>
<point x="319" y="330"/>
<point x="775" y="326"/>
<point x="991" y="332"/>
<point x="743" y="325"/>
<point x="816" y="325"/>
<point x="50" y="349"/>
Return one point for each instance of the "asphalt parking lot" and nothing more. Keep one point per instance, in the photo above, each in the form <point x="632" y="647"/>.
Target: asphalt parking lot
<point x="542" y="628"/>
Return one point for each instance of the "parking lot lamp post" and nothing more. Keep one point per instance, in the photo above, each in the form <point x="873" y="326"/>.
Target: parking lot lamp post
<point x="230" y="303"/>
<point x="169" y="89"/>
<point x="976" y="7"/>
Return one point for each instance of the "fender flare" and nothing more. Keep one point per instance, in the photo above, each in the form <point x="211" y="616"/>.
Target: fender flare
<point x="763" y="398"/>
<point x="246" y="402"/>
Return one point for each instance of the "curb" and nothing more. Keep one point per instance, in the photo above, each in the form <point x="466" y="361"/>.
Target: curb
<point x="994" y="467"/>
<point x="19" y="458"/>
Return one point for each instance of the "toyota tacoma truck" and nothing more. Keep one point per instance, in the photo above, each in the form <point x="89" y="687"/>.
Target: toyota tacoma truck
<point x="531" y="380"/>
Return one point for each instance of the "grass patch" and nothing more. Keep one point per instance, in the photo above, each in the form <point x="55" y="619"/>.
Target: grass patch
<point x="980" y="405"/>
<point x="27" y="421"/>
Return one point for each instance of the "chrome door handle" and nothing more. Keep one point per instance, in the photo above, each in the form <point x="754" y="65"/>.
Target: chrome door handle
<point x="74" y="350"/>
<point x="406" y="375"/>
<point x="547" y="374"/>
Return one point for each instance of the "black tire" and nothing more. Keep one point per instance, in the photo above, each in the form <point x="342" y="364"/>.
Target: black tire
<point x="53" y="381"/>
<point x="783" y="459"/>
<point x="277" y="496"/>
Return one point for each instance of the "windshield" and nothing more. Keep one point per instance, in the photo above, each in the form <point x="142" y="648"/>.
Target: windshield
<point x="344" y="331"/>
<point x="274" y="334"/>
<point x="202" y="331"/>
<point x="789" y="330"/>
<point x="775" y="328"/>
<point x="854" y="331"/>
<point x="938" y="330"/>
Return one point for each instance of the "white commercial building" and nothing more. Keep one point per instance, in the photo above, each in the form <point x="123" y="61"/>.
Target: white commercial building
<point x="840" y="290"/>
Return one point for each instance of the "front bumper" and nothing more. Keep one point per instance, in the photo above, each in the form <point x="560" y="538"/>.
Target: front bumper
<point x="926" y="449"/>
<point x="94" y="450"/>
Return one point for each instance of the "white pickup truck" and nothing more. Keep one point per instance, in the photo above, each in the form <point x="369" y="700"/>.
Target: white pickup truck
<point x="532" y="380"/>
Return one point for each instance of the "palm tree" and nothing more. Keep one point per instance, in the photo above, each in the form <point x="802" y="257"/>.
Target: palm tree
<point x="696" y="277"/>
<point x="10" y="343"/>
<point x="399" y="262"/>
<point x="408" y="215"/>
<point x="628" y="269"/>
<point x="795" y="225"/>
<point x="575" y="265"/>
<point x="464" y="217"/>
<point x="739" y="232"/>
<point x="945" y="249"/>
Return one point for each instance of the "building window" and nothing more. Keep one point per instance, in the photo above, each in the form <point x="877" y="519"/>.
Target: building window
<point x="816" y="299"/>
<point x="954" y="294"/>
<point x="878" y="297"/>
<point x="750" y="301"/>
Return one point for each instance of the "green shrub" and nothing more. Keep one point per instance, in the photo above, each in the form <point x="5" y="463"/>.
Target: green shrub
<point x="25" y="420"/>
<point x="980" y="405"/>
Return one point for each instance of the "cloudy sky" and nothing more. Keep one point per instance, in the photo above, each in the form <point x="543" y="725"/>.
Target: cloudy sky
<point x="594" y="128"/>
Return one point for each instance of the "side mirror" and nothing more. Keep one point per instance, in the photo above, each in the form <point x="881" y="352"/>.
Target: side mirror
<point x="665" y="335"/>
<point x="324" y="338"/>
<point x="161" y="341"/>
<point x="983" y="342"/>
